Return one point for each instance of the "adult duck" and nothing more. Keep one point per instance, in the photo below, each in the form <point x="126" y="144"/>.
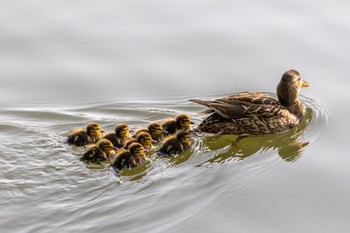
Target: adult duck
<point x="256" y="113"/>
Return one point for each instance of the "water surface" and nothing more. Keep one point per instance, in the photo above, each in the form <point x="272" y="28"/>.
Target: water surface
<point x="64" y="64"/>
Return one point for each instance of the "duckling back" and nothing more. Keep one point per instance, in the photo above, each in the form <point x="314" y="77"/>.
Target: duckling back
<point x="78" y="137"/>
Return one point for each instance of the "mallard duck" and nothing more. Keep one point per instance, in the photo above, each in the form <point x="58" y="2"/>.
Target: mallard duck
<point x="102" y="151"/>
<point x="176" y="144"/>
<point x="120" y="136"/>
<point x="81" y="137"/>
<point x="133" y="157"/>
<point x="181" y="122"/>
<point x="256" y="113"/>
<point x="156" y="131"/>
<point x="144" y="139"/>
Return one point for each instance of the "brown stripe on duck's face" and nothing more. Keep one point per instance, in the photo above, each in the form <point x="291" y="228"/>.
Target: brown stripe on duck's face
<point x="93" y="129"/>
<point x="144" y="138"/>
<point x="137" y="149"/>
<point x="184" y="121"/>
<point x="106" y="146"/>
<point x="156" y="130"/>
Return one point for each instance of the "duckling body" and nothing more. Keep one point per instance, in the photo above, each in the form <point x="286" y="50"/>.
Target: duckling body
<point x="256" y="113"/>
<point x="176" y="144"/>
<point x="81" y="137"/>
<point x="119" y="136"/>
<point x="156" y="131"/>
<point x="100" y="152"/>
<point x="127" y="159"/>
<point x="181" y="122"/>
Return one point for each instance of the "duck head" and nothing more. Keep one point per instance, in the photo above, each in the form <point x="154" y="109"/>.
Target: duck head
<point x="94" y="130"/>
<point x="145" y="140"/>
<point x="122" y="131"/>
<point x="183" y="121"/>
<point x="288" y="88"/>
<point x="136" y="149"/>
<point x="105" y="146"/>
<point x="155" y="129"/>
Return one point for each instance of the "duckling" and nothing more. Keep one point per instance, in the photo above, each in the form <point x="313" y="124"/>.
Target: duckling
<point x="120" y="136"/>
<point x="256" y="113"/>
<point x="139" y="131"/>
<point x="102" y="151"/>
<point x="176" y="144"/>
<point x="156" y="131"/>
<point x="181" y="122"/>
<point x="144" y="139"/>
<point x="81" y="137"/>
<point x="127" y="159"/>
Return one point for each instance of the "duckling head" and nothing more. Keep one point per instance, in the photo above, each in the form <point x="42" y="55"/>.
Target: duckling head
<point x="155" y="129"/>
<point x="289" y="86"/>
<point x="183" y="121"/>
<point x="105" y="146"/>
<point x="144" y="139"/>
<point x="137" y="149"/>
<point x="184" y="137"/>
<point x="93" y="129"/>
<point x="122" y="130"/>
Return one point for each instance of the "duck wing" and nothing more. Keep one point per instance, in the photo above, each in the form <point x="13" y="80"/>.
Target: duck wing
<point x="243" y="105"/>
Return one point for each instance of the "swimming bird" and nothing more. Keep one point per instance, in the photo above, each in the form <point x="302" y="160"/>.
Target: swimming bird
<point x="133" y="157"/>
<point x="82" y="137"/>
<point x="256" y="113"/>
<point x="176" y="144"/>
<point x="156" y="131"/>
<point x="181" y="122"/>
<point x="143" y="138"/>
<point x="120" y="136"/>
<point x="102" y="151"/>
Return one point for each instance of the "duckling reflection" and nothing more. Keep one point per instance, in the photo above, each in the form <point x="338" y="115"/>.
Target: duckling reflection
<point x="288" y="145"/>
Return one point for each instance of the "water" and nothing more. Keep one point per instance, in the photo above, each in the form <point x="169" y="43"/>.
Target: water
<point x="66" y="63"/>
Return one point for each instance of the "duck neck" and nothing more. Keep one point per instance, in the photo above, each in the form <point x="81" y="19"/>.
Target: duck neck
<point x="296" y="109"/>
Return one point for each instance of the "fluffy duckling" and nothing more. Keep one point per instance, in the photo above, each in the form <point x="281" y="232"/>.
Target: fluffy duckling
<point x="127" y="159"/>
<point x="156" y="131"/>
<point x="176" y="144"/>
<point x="181" y="122"/>
<point x="120" y="136"/>
<point x="102" y="151"/>
<point x="81" y="137"/>
<point x="144" y="139"/>
<point x="256" y="113"/>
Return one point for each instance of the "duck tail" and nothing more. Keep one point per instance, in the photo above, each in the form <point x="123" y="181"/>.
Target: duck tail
<point x="202" y="102"/>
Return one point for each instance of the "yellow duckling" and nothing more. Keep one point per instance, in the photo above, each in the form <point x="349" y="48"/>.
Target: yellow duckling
<point x="127" y="159"/>
<point x="256" y="113"/>
<point x="176" y="144"/>
<point x="144" y="139"/>
<point x="156" y="131"/>
<point x="181" y="122"/>
<point x="81" y="137"/>
<point x="102" y="151"/>
<point x="120" y="136"/>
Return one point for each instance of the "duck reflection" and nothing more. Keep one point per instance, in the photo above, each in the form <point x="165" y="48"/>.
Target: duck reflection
<point x="288" y="145"/>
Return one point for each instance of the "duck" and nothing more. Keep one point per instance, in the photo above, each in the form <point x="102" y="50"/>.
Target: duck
<point x="127" y="159"/>
<point x="102" y="151"/>
<point x="181" y="122"/>
<point x="156" y="131"/>
<point x="144" y="139"/>
<point x="120" y="135"/>
<point x="83" y="137"/>
<point x="256" y="113"/>
<point x="176" y="144"/>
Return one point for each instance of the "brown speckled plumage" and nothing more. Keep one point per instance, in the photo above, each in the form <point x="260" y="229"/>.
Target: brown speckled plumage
<point x="256" y="113"/>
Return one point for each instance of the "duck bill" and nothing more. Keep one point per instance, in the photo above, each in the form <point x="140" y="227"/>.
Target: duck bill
<point x="305" y="84"/>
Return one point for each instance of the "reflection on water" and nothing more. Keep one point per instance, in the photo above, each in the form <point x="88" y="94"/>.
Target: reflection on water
<point x="288" y="145"/>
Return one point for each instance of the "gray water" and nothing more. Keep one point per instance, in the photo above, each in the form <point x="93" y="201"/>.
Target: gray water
<point x="66" y="63"/>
